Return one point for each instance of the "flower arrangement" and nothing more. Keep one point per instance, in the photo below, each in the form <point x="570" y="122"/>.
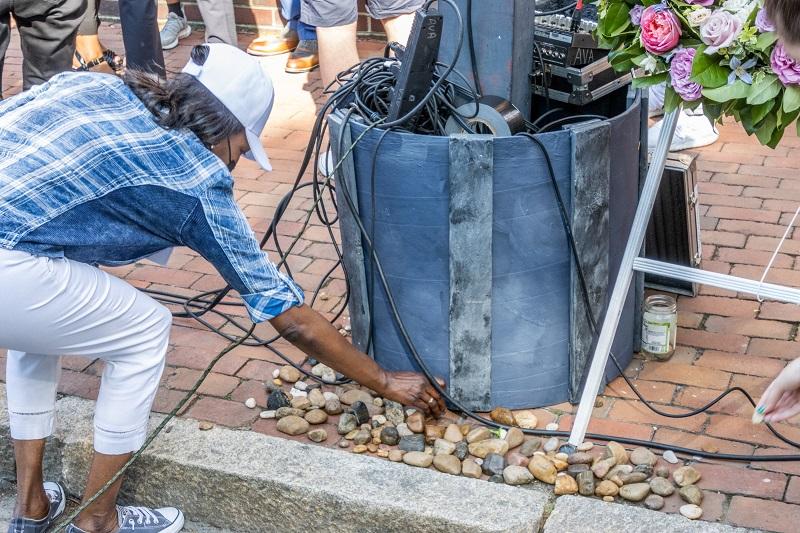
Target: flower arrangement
<point x="723" y="54"/>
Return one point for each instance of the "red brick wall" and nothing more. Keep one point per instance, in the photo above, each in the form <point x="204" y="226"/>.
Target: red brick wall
<point x="252" y="15"/>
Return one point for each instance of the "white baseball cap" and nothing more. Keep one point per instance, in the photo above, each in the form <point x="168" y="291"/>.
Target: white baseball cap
<point x="239" y="82"/>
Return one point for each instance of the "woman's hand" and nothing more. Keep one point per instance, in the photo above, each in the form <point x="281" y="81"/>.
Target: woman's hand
<point x="781" y="400"/>
<point x="411" y="388"/>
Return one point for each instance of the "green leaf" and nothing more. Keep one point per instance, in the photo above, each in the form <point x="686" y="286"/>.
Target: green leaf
<point x="766" y="130"/>
<point x="766" y="40"/>
<point x="764" y="88"/>
<point x="758" y="112"/>
<point x="621" y="60"/>
<point x="738" y="89"/>
<point x="777" y="135"/>
<point x="707" y="71"/>
<point x="617" y="19"/>
<point x="784" y="119"/>
<point x="671" y="100"/>
<point x="649" y="81"/>
<point x="712" y="110"/>
<point x="791" y="98"/>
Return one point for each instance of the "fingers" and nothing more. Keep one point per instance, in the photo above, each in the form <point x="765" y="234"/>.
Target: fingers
<point x="769" y="400"/>
<point x="438" y="405"/>
<point x="787" y="407"/>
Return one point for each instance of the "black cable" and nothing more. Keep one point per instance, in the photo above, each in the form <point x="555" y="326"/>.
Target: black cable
<point x="472" y="55"/>
<point x="570" y="119"/>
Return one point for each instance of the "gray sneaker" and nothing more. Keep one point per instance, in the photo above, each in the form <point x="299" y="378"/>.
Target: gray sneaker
<point x="58" y="500"/>
<point x="143" y="520"/>
<point x="174" y="30"/>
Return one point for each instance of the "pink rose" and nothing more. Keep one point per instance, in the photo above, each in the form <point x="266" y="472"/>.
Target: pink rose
<point x="661" y="29"/>
<point x="680" y="70"/>
<point x="719" y="30"/>
<point x="784" y="66"/>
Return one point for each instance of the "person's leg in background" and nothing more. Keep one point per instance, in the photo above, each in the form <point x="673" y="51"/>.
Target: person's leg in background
<point x="5" y="39"/>
<point x="693" y="130"/>
<point x="88" y="313"/>
<point x="287" y="40"/>
<point x="89" y="51"/>
<point x="305" y="57"/>
<point x="176" y="27"/>
<point x="47" y="37"/>
<point x="139" y="20"/>
<point x="220" y="21"/>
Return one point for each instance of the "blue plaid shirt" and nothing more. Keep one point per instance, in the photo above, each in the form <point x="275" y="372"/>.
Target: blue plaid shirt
<point x="87" y="174"/>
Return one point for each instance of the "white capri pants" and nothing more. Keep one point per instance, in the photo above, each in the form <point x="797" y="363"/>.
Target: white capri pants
<point x="55" y="307"/>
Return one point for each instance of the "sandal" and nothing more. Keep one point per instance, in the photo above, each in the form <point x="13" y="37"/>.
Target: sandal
<point x="111" y="58"/>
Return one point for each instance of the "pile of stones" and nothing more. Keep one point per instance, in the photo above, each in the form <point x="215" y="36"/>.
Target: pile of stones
<point x="383" y="428"/>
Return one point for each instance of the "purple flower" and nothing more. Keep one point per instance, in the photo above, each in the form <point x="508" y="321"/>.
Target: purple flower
<point x="785" y="66"/>
<point x="762" y="21"/>
<point x="636" y="14"/>
<point x="680" y="71"/>
<point x="739" y="69"/>
<point x="719" y="30"/>
<point x="703" y="3"/>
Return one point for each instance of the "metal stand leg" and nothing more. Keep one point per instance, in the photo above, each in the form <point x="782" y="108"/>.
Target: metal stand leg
<point x="623" y="281"/>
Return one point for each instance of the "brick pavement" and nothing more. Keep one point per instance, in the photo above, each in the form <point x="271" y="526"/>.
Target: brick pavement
<point x="748" y="193"/>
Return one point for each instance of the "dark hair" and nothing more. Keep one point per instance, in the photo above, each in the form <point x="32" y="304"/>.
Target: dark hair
<point x="183" y="102"/>
<point x="783" y="13"/>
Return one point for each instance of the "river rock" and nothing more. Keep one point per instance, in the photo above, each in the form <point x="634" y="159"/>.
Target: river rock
<point x="485" y="447"/>
<point x="686" y="475"/>
<point x="447" y="464"/>
<point x="633" y="477"/>
<point x="443" y="447"/>
<point x="478" y="434"/>
<point x="647" y="470"/>
<point x="574" y="470"/>
<point x="585" y="481"/>
<point x="267" y="415"/>
<point x="493" y="464"/>
<point x="585" y="446"/>
<point x="617" y="451"/>
<point x="390" y="436"/>
<point x="360" y="448"/>
<point x="654" y="502"/>
<point x="514" y="437"/>
<point x="530" y="446"/>
<point x="643" y="456"/>
<point x="420" y="459"/>
<point x="662" y="471"/>
<point x="565" y="484"/>
<point x="578" y="458"/>
<point x="517" y="475"/>
<point x="344" y="443"/>
<point x="462" y="450"/>
<point x="347" y="423"/>
<point x="635" y="492"/>
<point x="517" y="459"/>
<point x="691" y="511"/>
<point x="552" y="426"/>
<point x="661" y="486"/>
<point x="301" y="402"/>
<point x="453" y="434"/>
<point x="691" y="494"/>
<point x="292" y="425"/>
<point x="316" y="416"/>
<point x="497" y="478"/>
<point x="502" y="415"/>
<point x="318" y="435"/>
<point x="412" y="443"/>
<point x="416" y="422"/>
<point x="616" y="473"/>
<point x="601" y="467"/>
<point x="289" y="374"/>
<point x="433" y="432"/>
<point x="471" y="469"/>
<point x="526" y="419"/>
<point x="360" y="411"/>
<point x="542" y="469"/>
<point x="607" y="488"/>
<point x="378" y="421"/>
<point x="396" y="456"/>
<point x="333" y="407"/>
<point x="551" y="445"/>
<point x="283" y="412"/>
<point x="301" y="386"/>
<point x="670" y="457"/>
<point x="394" y="412"/>
<point x="567" y="449"/>
<point x="362" y="437"/>
<point x="403" y="431"/>
<point x="352" y="396"/>
<point x="277" y="399"/>
<point x="316" y="398"/>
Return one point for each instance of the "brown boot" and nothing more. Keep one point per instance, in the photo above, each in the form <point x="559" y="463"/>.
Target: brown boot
<point x="304" y="58"/>
<point x="274" y="45"/>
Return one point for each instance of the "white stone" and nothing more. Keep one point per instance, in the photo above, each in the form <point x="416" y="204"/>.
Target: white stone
<point x="329" y="396"/>
<point x="250" y="403"/>
<point x="301" y="385"/>
<point x="691" y="511"/>
<point x="296" y="393"/>
<point x="379" y="419"/>
<point x="670" y="457"/>
<point x="552" y="426"/>
<point x="276" y="373"/>
<point x="267" y="414"/>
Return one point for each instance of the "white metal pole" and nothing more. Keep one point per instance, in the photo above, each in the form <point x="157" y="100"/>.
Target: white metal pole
<point x="624" y="277"/>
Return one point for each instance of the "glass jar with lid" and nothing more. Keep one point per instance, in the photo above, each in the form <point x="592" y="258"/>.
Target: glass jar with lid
<point x="659" y="327"/>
